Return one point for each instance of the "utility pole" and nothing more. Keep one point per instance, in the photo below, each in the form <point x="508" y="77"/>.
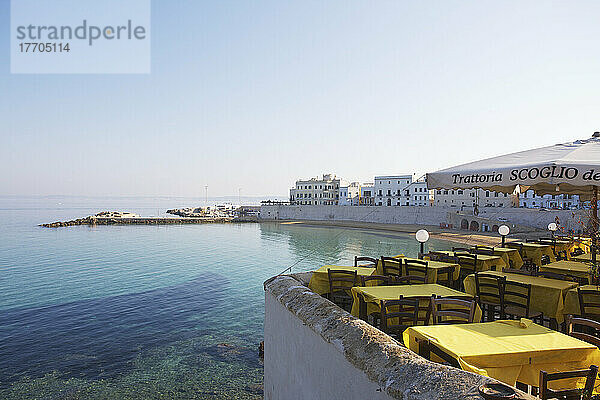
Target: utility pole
<point x="206" y="196"/>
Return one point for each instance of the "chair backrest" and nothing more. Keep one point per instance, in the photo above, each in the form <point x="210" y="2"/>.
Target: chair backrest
<point x="516" y="295"/>
<point x="486" y="250"/>
<point x="391" y="266"/>
<point x="589" y="303"/>
<point x="590" y="332"/>
<point x="445" y="276"/>
<point x="545" y="259"/>
<point x="340" y="279"/>
<point x="397" y="315"/>
<point x="435" y="256"/>
<point x="416" y="270"/>
<point x="468" y="262"/>
<point x="489" y="288"/>
<point x="562" y="277"/>
<point x="379" y="280"/>
<point x="452" y="310"/>
<point x="461" y="249"/>
<point x="365" y="262"/>
<point x="588" y="374"/>
<point x="577" y="252"/>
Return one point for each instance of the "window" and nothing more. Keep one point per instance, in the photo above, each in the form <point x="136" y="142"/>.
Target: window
<point x="460" y="192"/>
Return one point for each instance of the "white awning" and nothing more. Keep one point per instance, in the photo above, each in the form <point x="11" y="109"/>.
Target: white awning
<point x="572" y="168"/>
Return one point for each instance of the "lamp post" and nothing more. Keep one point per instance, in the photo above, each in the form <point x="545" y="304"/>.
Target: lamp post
<point x="552" y="227"/>
<point x="422" y="236"/>
<point x="503" y="231"/>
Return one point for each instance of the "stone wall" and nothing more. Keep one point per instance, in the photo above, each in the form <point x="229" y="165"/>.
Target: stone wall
<point x="315" y="350"/>
<point x="523" y="219"/>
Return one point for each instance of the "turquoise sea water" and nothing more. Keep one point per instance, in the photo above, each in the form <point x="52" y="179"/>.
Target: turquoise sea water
<point x="143" y="312"/>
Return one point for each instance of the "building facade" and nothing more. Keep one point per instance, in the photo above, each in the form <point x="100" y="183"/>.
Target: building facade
<point x="316" y="191"/>
<point x="560" y="201"/>
<point x="349" y="195"/>
<point x="392" y="190"/>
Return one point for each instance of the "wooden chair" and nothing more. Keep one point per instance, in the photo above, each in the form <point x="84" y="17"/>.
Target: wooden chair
<point x="391" y="266"/>
<point x="468" y="265"/>
<point x="435" y="256"/>
<point x="340" y="282"/>
<point x="568" y="394"/>
<point x="577" y="252"/>
<point x="397" y="315"/>
<point x="545" y="259"/>
<point x="589" y="304"/>
<point x="416" y="270"/>
<point x="380" y="280"/>
<point x="528" y="264"/>
<point x="445" y="276"/>
<point x="370" y="262"/>
<point x="562" y="277"/>
<point x="452" y="310"/>
<point x="589" y="330"/>
<point x="490" y="292"/>
<point x="516" y="302"/>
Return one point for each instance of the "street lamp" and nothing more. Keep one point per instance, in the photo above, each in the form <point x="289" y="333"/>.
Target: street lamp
<point x="503" y="231"/>
<point x="422" y="236"/>
<point x="552" y="227"/>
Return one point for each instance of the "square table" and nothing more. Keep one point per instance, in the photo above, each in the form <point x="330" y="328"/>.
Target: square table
<point x="484" y="262"/>
<point x="510" y="351"/>
<point x="547" y="295"/>
<point x="534" y="251"/>
<point x="509" y="254"/>
<point x="574" y="268"/>
<point x="319" y="282"/>
<point x="367" y="300"/>
<point x="432" y="268"/>
<point x="586" y="257"/>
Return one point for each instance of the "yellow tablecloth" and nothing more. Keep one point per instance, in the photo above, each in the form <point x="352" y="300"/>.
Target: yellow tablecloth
<point x="586" y="257"/>
<point x="319" y="282"/>
<point x="505" y="350"/>
<point x="547" y="295"/>
<point x="572" y="299"/>
<point x="432" y="268"/>
<point x="507" y="254"/>
<point x="534" y="251"/>
<point x="372" y="296"/>
<point x="484" y="262"/>
<point x="574" y="268"/>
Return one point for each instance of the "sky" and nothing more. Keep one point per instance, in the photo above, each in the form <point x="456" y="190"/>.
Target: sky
<point x="248" y="96"/>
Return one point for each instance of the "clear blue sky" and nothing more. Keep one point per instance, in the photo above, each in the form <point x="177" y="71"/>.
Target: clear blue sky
<point x="254" y="94"/>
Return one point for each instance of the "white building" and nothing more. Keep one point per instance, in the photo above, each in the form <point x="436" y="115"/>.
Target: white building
<point x="367" y="194"/>
<point x="467" y="198"/>
<point x="419" y="195"/>
<point x="349" y="195"/>
<point x="559" y="201"/>
<point x="391" y="190"/>
<point x="316" y="191"/>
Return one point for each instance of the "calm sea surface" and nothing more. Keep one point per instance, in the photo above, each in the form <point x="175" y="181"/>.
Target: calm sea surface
<point x="143" y="312"/>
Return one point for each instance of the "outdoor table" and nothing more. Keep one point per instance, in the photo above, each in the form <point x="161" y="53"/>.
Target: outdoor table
<point x="319" y="282"/>
<point x="367" y="300"/>
<point x="509" y="351"/>
<point x="574" y="268"/>
<point x="586" y="257"/>
<point x="572" y="299"/>
<point x="484" y="262"/>
<point x="534" y="251"/>
<point x="559" y="245"/>
<point x="508" y="254"/>
<point x="547" y="295"/>
<point x="432" y="268"/>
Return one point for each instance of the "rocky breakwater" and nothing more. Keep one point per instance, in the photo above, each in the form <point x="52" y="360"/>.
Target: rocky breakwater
<point x="115" y="218"/>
